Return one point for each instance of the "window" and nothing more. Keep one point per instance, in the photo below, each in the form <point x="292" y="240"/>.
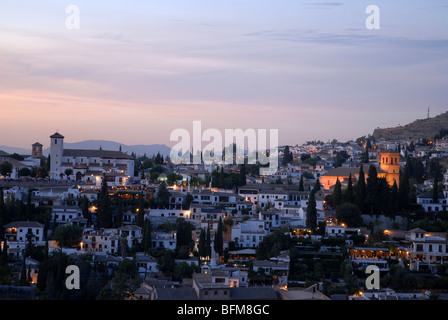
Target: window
<point x="55" y="141"/>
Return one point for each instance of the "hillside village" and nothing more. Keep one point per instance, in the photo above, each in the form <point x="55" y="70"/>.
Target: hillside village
<point x="140" y="227"/>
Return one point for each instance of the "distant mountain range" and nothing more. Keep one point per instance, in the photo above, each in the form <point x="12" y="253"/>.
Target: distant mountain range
<point x="421" y="128"/>
<point x="418" y="129"/>
<point x="139" y="149"/>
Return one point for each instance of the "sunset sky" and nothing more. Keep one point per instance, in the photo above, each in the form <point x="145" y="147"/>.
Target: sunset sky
<point x="137" y="70"/>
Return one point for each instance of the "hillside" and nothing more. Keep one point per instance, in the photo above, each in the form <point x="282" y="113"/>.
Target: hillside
<point x="422" y="128"/>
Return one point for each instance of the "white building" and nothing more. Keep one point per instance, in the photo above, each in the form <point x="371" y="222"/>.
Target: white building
<point x="147" y="265"/>
<point x="426" y="201"/>
<point x="133" y="234"/>
<point x="61" y="215"/>
<point x="294" y="215"/>
<point x="249" y="233"/>
<point x="272" y="197"/>
<point x="17" y="234"/>
<point x="165" y="240"/>
<point x="110" y="240"/>
<point x="425" y="251"/>
<point x="334" y="230"/>
<point x="177" y="213"/>
<point x="89" y="165"/>
<point x="271" y="219"/>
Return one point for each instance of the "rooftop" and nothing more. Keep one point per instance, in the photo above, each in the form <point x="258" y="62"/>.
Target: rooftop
<point x="96" y="154"/>
<point x="345" y="172"/>
<point x="24" y="224"/>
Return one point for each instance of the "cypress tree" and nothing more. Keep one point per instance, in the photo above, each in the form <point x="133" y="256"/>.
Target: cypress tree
<point x="317" y="185"/>
<point x="311" y="213"/>
<point x="366" y="156"/>
<point x="349" y="196"/>
<point x="384" y="196"/>
<point x="201" y="244"/>
<point x="85" y="210"/>
<point x="403" y="191"/>
<point x="395" y="199"/>
<point x="287" y="156"/>
<point x="360" y="199"/>
<point x="337" y="193"/>
<point x="301" y="187"/>
<point x="104" y="211"/>
<point x="221" y="178"/>
<point x="218" y="244"/>
<point x="435" y="190"/>
<point x="208" y="243"/>
<point x="372" y="189"/>
<point x="242" y="180"/>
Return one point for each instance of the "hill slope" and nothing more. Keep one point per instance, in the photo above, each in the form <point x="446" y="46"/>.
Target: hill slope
<point x="422" y="128"/>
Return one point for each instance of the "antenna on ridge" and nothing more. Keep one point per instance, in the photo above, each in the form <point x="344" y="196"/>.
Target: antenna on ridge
<point x="428" y="111"/>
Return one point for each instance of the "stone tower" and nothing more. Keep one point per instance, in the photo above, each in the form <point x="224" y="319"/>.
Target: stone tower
<point x="56" y="151"/>
<point x="36" y="150"/>
<point x="390" y="163"/>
